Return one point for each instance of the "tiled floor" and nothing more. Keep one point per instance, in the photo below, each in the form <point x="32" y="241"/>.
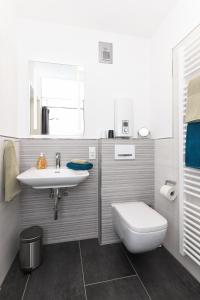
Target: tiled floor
<point x="85" y="270"/>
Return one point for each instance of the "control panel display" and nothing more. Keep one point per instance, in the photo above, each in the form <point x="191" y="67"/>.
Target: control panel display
<point x="125" y="126"/>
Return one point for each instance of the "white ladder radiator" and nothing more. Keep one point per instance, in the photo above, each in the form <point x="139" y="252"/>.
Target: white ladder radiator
<point x="189" y="191"/>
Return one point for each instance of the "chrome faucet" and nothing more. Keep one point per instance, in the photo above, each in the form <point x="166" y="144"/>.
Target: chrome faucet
<point x="58" y="156"/>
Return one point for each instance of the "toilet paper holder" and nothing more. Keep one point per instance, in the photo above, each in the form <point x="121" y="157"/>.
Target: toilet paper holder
<point x="170" y="182"/>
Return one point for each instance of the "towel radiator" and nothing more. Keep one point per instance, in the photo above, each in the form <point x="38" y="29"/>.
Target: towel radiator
<point x="188" y="56"/>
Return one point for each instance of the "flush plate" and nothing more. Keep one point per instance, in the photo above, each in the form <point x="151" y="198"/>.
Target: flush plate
<point x="124" y="152"/>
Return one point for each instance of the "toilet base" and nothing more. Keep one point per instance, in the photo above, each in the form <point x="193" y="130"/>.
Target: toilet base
<point x="142" y="242"/>
<point x="137" y="242"/>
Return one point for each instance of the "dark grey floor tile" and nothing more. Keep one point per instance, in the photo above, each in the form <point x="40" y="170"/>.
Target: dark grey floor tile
<point x="102" y="263"/>
<point x="164" y="277"/>
<point x="14" y="283"/>
<point x="122" y="289"/>
<point x="60" y="275"/>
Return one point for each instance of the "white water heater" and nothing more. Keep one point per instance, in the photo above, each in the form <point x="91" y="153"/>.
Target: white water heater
<point x="123" y="117"/>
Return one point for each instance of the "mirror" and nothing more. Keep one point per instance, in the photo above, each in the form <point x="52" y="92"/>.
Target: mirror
<point x="143" y="132"/>
<point x="56" y="99"/>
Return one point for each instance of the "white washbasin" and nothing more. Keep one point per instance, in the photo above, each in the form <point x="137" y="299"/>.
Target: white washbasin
<point x="52" y="178"/>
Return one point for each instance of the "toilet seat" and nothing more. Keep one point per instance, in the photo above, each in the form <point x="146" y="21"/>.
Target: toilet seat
<point x="139" y="217"/>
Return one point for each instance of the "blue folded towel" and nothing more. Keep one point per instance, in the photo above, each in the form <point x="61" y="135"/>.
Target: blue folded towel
<point x="192" y="155"/>
<point x="79" y="167"/>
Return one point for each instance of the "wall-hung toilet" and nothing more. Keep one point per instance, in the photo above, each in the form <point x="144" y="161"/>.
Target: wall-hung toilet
<point x="139" y="226"/>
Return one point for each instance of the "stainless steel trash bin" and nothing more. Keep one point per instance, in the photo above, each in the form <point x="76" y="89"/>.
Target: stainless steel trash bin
<point x="30" y="253"/>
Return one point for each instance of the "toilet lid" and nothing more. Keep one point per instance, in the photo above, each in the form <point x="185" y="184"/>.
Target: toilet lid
<point x="140" y="217"/>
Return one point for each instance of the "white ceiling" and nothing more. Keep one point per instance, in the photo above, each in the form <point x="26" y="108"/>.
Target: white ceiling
<point x="137" y="17"/>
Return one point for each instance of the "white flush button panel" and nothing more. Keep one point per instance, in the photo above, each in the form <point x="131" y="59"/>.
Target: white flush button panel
<point x="92" y="153"/>
<point x="123" y="118"/>
<point x="125" y="152"/>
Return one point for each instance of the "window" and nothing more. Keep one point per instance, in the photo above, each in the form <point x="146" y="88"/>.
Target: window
<point x="64" y="99"/>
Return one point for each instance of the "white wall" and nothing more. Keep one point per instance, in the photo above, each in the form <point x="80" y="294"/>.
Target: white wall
<point x="8" y="126"/>
<point x="180" y="22"/>
<point x="182" y="19"/>
<point x="8" y="80"/>
<point x="127" y="77"/>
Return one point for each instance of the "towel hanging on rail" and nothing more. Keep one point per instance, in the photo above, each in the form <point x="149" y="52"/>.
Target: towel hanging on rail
<point x="193" y="101"/>
<point x="45" y="120"/>
<point x="10" y="166"/>
<point x="192" y="153"/>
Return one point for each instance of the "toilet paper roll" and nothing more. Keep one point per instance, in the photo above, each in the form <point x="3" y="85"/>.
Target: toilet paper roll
<point x="169" y="192"/>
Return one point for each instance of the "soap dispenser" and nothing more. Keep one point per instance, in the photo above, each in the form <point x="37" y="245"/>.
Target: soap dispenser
<point x="41" y="162"/>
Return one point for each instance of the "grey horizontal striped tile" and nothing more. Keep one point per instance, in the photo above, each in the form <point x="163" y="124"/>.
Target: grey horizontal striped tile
<point x="78" y="212"/>
<point x="124" y="181"/>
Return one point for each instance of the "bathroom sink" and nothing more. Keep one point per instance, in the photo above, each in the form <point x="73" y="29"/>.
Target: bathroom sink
<point x="52" y="178"/>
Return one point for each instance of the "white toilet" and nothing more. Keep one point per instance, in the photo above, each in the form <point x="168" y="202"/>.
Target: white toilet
<point x="139" y="226"/>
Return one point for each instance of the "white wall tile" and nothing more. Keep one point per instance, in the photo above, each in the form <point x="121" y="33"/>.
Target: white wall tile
<point x="166" y="167"/>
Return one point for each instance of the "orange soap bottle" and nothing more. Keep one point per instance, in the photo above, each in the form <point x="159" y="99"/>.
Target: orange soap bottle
<point x="41" y="162"/>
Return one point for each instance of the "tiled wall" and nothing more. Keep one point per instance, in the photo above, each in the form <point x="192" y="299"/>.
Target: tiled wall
<point x="109" y="181"/>
<point x="121" y="181"/>
<point x="167" y="167"/>
<point x="9" y="222"/>
<point x="78" y="212"/>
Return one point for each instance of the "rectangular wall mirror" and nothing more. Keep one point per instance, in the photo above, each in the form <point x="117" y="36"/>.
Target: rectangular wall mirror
<point x="56" y="99"/>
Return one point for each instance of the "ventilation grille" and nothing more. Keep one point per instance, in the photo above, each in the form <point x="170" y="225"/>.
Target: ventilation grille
<point x="105" y="53"/>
